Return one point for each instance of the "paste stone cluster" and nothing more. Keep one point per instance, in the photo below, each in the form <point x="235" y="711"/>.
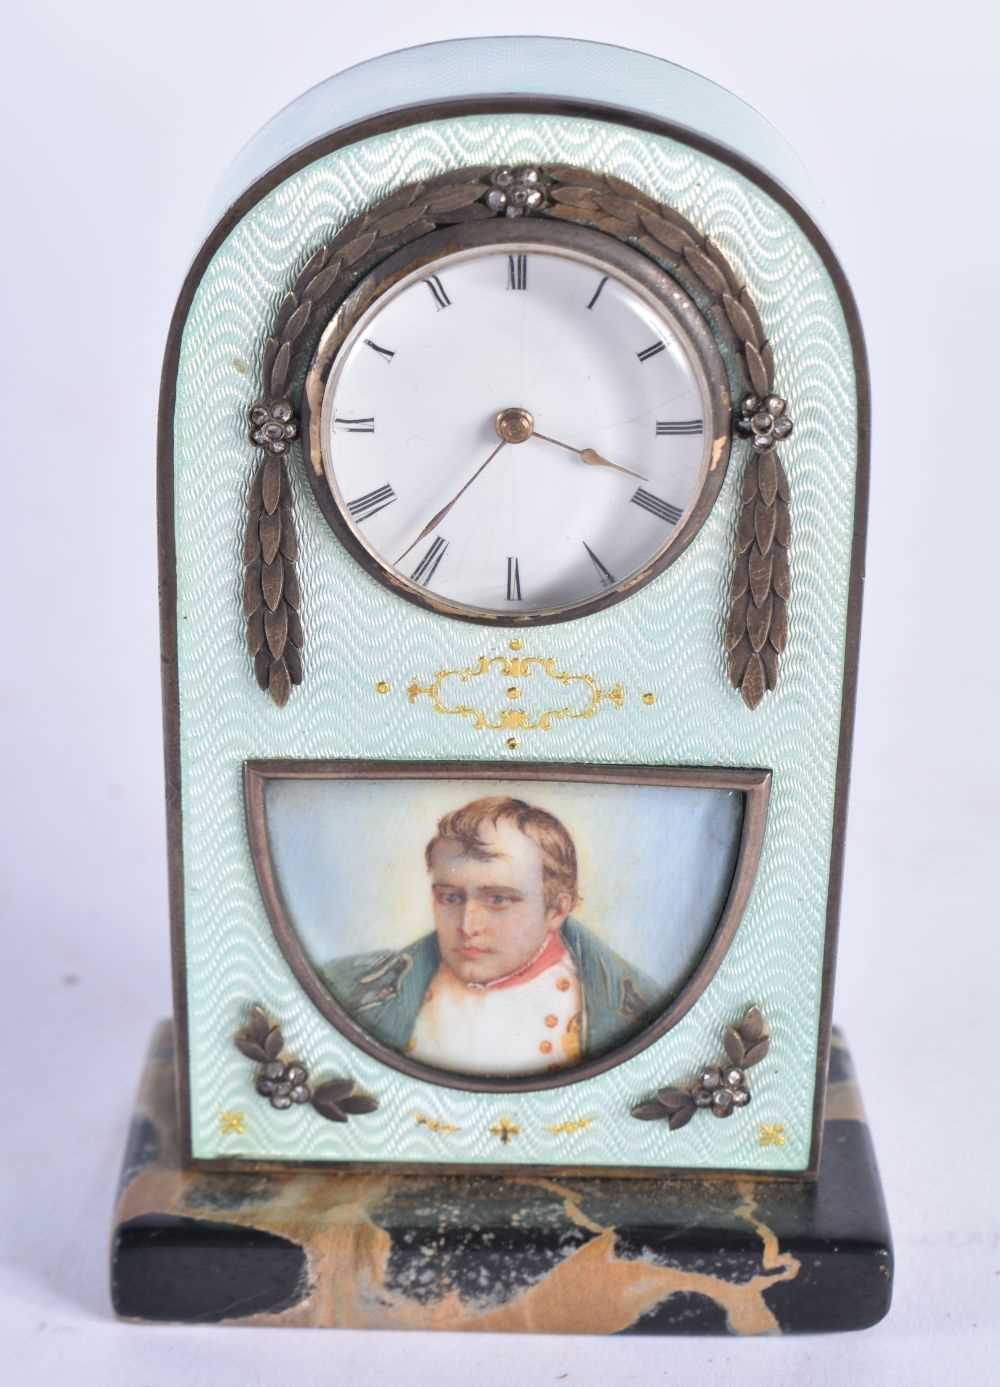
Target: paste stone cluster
<point x="515" y="191"/>
<point x="273" y="425"/>
<point x="284" y="1084"/>
<point x="722" y="1091"/>
<point x="764" y="421"/>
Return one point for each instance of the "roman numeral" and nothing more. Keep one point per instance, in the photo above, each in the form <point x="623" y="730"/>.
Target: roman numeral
<point x="517" y="272"/>
<point x="648" y="352"/>
<point x="513" y="581"/>
<point x="663" y="510"/>
<point x="605" y="574"/>
<point x="383" y="352"/>
<point x="597" y="292"/>
<point x="424" y="571"/>
<point x="355" y="425"/>
<point x="672" y="428"/>
<point x="438" y="291"/>
<point x="367" y="506"/>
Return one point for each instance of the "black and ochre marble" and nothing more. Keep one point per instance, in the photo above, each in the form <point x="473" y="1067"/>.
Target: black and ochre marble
<point x="520" y="1253"/>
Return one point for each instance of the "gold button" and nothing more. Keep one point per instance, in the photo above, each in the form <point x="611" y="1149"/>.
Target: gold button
<point x="546" y="1047"/>
<point x="562" y="984"/>
<point x="551" y="1020"/>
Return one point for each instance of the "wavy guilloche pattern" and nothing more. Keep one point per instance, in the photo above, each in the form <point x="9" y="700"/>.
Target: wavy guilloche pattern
<point x="666" y="637"/>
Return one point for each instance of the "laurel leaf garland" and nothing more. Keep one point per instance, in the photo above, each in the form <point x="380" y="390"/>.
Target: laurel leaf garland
<point x="756" y="630"/>
<point x="764" y="522"/>
<point x="761" y="569"/>
<point x="271" y="596"/>
<point x="270" y="588"/>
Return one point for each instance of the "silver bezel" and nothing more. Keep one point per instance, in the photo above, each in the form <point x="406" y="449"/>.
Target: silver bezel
<point x="642" y="276"/>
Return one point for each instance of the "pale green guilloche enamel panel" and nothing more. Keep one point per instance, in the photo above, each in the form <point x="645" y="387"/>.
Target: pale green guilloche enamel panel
<point x="666" y="639"/>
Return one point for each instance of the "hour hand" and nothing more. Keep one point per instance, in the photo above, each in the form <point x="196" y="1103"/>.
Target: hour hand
<point x="595" y="460"/>
<point x="591" y="456"/>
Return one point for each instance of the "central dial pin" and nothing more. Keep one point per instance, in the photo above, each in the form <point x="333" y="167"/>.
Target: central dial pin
<point x="514" y="425"/>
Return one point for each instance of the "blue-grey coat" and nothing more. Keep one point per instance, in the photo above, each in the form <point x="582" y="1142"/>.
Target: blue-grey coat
<point x="383" y="991"/>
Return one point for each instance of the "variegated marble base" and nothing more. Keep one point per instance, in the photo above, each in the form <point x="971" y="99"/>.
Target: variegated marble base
<point x="519" y="1253"/>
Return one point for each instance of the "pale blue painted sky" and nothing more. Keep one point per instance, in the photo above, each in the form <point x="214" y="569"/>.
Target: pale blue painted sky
<point x="655" y="862"/>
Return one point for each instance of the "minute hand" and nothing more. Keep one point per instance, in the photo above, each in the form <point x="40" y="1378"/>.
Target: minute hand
<point x="590" y="456"/>
<point x="436" y="520"/>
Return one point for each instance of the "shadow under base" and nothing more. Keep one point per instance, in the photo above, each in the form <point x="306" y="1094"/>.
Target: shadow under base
<point x="518" y="1253"/>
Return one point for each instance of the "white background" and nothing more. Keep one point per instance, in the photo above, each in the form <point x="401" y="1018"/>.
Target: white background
<point x="117" y="121"/>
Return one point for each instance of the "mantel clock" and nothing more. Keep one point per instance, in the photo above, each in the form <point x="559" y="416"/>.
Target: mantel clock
<point x="513" y="455"/>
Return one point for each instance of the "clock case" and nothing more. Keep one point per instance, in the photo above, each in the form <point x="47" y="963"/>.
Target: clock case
<point x="196" y="1243"/>
<point x="400" y="119"/>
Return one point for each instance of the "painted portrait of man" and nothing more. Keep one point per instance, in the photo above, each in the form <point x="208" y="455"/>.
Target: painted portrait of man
<point x="509" y="981"/>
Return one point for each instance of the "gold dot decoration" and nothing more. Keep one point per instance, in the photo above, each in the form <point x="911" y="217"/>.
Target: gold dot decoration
<point x="517" y="645"/>
<point x="383" y="686"/>
<point x="771" y="1134"/>
<point x="232" y="1123"/>
<point x="512" y="743"/>
<point x="649" y="698"/>
<point x="513" y="691"/>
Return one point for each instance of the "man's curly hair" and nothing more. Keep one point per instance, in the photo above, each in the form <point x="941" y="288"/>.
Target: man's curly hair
<point x="559" y="864"/>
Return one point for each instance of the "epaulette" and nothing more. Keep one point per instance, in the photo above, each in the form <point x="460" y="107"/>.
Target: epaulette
<point x="379" y="981"/>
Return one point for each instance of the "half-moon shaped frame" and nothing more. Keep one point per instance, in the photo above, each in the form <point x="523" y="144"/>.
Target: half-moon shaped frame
<point x="754" y="785"/>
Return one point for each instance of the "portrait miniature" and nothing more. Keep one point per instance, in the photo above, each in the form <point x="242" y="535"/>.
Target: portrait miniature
<point x="519" y="929"/>
<point x="508" y="980"/>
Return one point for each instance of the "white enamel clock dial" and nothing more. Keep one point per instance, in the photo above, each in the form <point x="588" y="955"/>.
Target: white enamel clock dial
<point x="517" y="430"/>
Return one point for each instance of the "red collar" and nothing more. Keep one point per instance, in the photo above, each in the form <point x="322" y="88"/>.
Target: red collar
<point x="551" y="952"/>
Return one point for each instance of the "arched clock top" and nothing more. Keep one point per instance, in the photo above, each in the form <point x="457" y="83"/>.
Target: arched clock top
<point x="674" y="305"/>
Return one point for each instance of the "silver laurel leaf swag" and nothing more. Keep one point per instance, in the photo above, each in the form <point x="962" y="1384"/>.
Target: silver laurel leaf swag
<point x="757" y="627"/>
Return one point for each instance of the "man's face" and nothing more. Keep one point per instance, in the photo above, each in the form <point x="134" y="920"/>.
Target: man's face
<point x="491" y="915"/>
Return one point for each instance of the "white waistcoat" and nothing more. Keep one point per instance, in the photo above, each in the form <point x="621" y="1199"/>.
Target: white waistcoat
<point x="515" y="1028"/>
